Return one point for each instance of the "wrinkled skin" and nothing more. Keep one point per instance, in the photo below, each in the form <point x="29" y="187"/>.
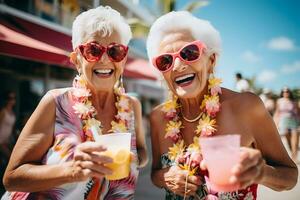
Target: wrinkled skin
<point x="241" y="113"/>
<point x="25" y="172"/>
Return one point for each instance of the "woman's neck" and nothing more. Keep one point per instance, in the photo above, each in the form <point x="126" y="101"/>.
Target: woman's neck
<point x="191" y="106"/>
<point x="103" y="100"/>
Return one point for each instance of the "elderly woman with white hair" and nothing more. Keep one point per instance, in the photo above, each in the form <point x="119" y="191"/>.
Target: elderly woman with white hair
<point x="56" y="156"/>
<point x="185" y="50"/>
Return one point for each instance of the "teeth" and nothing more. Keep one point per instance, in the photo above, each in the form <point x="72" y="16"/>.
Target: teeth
<point x="184" y="77"/>
<point x="103" y="71"/>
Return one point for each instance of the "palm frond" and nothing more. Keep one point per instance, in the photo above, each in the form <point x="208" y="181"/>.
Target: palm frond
<point x="195" y="5"/>
<point x="138" y="27"/>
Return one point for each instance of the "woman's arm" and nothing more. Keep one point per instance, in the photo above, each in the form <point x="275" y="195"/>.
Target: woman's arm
<point x="25" y="171"/>
<point x="157" y="174"/>
<point x="140" y="135"/>
<point x="278" y="171"/>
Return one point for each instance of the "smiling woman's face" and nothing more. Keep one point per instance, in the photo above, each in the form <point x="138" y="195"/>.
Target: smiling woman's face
<point x="102" y="74"/>
<point x="184" y="80"/>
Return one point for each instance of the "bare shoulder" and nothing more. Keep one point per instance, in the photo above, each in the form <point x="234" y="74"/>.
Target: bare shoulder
<point x="49" y="98"/>
<point x="157" y="115"/>
<point x="135" y="102"/>
<point x="59" y="91"/>
<point x="241" y="102"/>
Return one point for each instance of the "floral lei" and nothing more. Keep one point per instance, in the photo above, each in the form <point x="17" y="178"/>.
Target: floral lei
<point x="87" y="113"/>
<point x="189" y="157"/>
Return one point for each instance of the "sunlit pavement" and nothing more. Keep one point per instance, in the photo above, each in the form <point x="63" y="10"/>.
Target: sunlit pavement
<point x="147" y="191"/>
<point x="294" y="194"/>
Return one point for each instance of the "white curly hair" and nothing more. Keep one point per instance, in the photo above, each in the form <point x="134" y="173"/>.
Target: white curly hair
<point x="102" y="20"/>
<point x="182" y="20"/>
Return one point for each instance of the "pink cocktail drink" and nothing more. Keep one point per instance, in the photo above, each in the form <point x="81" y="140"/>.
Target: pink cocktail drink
<point x="221" y="153"/>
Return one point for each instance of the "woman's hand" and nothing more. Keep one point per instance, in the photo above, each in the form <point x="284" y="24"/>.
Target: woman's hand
<point x="175" y="180"/>
<point x="250" y="169"/>
<point x="89" y="162"/>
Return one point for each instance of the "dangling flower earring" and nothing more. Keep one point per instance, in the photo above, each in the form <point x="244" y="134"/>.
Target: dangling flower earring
<point x="79" y="81"/>
<point x="214" y="84"/>
<point x="119" y="86"/>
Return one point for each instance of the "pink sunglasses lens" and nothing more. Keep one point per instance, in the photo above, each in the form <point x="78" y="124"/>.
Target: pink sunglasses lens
<point x="190" y="52"/>
<point x="117" y="52"/>
<point x="164" y="62"/>
<point x="93" y="52"/>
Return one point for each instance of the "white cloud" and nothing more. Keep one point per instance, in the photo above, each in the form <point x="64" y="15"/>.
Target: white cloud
<point x="266" y="76"/>
<point x="282" y="44"/>
<point x="250" y="57"/>
<point x="291" y="68"/>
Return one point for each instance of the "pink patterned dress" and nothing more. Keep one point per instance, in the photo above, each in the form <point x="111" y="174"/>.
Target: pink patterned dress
<point x="67" y="135"/>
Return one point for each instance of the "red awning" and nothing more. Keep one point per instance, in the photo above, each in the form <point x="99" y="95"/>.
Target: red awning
<point x="18" y="45"/>
<point x="139" y="68"/>
<point x="36" y="28"/>
<point x="24" y="38"/>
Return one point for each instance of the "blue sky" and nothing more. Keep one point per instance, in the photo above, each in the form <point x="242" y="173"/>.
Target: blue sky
<point x="261" y="38"/>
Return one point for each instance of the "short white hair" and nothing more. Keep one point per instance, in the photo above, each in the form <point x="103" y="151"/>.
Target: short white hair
<point x="102" y="20"/>
<point x="182" y="20"/>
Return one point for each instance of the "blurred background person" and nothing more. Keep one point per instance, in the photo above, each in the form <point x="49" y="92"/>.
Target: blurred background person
<point x="266" y="97"/>
<point x="286" y="117"/>
<point x="7" y="122"/>
<point x="242" y="84"/>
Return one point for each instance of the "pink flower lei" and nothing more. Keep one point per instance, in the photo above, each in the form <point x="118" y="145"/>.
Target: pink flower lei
<point x="189" y="157"/>
<point x="87" y="113"/>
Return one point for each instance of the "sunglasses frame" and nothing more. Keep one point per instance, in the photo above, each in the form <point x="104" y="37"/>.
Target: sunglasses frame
<point x="103" y="49"/>
<point x="175" y="55"/>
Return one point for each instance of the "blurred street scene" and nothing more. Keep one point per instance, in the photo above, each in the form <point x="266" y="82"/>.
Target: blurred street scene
<point x="261" y="55"/>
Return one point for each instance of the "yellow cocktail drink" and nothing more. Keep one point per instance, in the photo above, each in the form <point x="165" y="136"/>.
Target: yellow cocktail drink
<point x="121" y="164"/>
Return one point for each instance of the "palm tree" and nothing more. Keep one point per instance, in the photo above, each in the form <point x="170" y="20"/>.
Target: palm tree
<point x="141" y="29"/>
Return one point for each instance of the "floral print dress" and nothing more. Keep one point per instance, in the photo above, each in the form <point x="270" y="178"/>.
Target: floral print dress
<point x="67" y="135"/>
<point x="205" y="193"/>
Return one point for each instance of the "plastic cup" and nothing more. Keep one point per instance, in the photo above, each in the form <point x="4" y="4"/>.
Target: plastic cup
<point x="220" y="154"/>
<point x="118" y="148"/>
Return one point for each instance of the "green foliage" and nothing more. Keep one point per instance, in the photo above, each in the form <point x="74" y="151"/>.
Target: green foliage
<point x="296" y="93"/>
<point x="140" y="29"/>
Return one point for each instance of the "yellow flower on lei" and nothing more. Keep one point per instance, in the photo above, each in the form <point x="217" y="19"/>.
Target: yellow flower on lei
<point x="188" y="168"/>
<point x="206" y="126"/>
<point x="173" y="127"/>
<point x="118" y="127"/>
<point x="176" y="150"/>
<point x="170" y="105"/>
<point x="93" y="122"/>
<point x="214" y="82"/>
<point x="205" y="99"/>
<point x="194" y="146"/>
